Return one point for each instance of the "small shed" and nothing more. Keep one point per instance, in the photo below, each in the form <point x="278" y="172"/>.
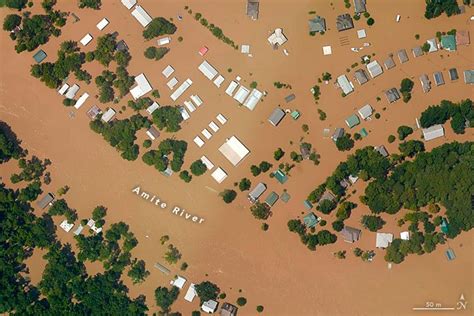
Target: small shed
<point x="402" y="55"/>
<point x="389" y="63"/>
<point x="45" y="201"/>
<point x="462" y="37"/>
<point x="253" y="9"/>
<point x="344" y="22"/>
<point x="271" y="199"/>
<point x="178" y="282"/>
<point x="152" y="133"/>
<point x="307" y="204"/>
<point x="310" y="220"/>
<point x="108" y="115"/>
<point x="228" y="309"/>
<point x="417" y="51"/>
<point x="295" y="114"/>
<point x="425" y="83"/>
<point x="392" y="95"/>
<point x="40" y="56"/>
<point x="290" y="98"/>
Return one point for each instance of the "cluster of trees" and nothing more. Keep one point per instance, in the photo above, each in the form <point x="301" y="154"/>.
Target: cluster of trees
<point x="406" y="86"/>
<point x="140" y="104"/>
<point x="278" y="154"/>
<point x="9" y="144"/>
<point x="264" y="166"/>
<point x="198" y="168"/>
<point x="172" y="255"/>
<point x="244" y="184"/>
<point x="105" y="50"/>
<point x="461" y="115"/>
<point x="121" y="134"/>
<point x="31" y="169"/>
<point x="165" y="297"/>
<point x="156" y="53"/>
<point x="69" y="60"/>
<point x="435" y="8"/>
<point x="168" y="118"/>
<point x="160" y="158"/>
<point x="343" y="212"/>
<point x="35" y="30"/>
<point x="105" y="83"/>
<point x="61" y="208"/>
<point x="429" y="178"/>
<point x="157" y="27"/>
<point x="260" y="210"/>
<point x="345" y="142"/>
<point x="404" y="131"/>
<point x="311" y="240"/>
<point x="16" y="4"/>
<point x="65" y="284"/>
<point x="206" y="291"/>
<point x="372" y="222"/>
<point x="93" y="4"/>
<point x="216" y="31"/>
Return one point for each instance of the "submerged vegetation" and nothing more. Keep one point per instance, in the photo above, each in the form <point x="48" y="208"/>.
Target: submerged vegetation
<point x="215" y="30"/>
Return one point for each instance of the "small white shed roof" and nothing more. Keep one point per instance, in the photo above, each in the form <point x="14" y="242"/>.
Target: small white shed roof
<point x="178" y="282"/>
<point x="206" y="134"/>
<point x="221" y="118"/>
<point x="86" y="39"/>
<point x="63" y="89"/>
<point x="71" y="92"/>
<point x="345" y="84"/>
<point x="198" y="141"/>
<point x="108" y="115"/>
<point x="102" y="24"/>
<point x="152" y="108"/>
<point x="219" y="175"/>
<point x="218" y="81"/>
<point x="207" y="162"/>
<point x="196" y="99"/>
<point x="129" y="3"/>
<point x="190" y="106"/>
<point x="167" y="71"/>
<point x="66" y="226"/>
<point x="213" y="126"/>
<point x="81" y="100"/>
<point x="172" y="83"/>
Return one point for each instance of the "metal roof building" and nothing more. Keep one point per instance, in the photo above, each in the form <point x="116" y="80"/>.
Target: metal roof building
<point x="276" y="116"/>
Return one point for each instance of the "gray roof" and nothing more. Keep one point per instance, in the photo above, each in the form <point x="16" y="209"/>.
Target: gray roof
<point x="257" y="192"/>
<point x="425" y="83"/>
<point x="253" y="9"/>
<point x="392" y="95"/>
<point x="327" y="196"/>
<point x="350" y="234"/>
<point x="402" y="55"/>
<point x="469" y="76"/>
<point x="153" y="131"/>
<point x="338" y="133"/>
<point x="389" y="63"/>
<point x="121" y="46"/>
<point x="317" y="24"/>
<point x="228" y="309"/>
<point x="438" y="78"/>
<point x="290" y="97"/>
<point x="276" y="116"/>
<point x="344" y="22"/>
<point x="381" y="150"/>
<point x="45" y="200"/>
<point x="359" y="6"/>
<point x="361" y="76"/>
<point x="417" y="52"/>
<point x="453" y="74"/>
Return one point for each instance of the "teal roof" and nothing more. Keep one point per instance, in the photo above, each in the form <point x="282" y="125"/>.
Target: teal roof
<point x="310" y="220"/>
<point x="280" y="176"/>
<point x="271" y="199"/>
<point x="363" y="132"/>
<point x="450" y="254"/>
<point x="448" y="42"/>
<point x="444" y="226"/>
<point x="295" y="114"/>
<point x="285" y="197"/>
<point x="39" y="56"/>
<point x="308" y="205"/>
<point x="352" y="121"/>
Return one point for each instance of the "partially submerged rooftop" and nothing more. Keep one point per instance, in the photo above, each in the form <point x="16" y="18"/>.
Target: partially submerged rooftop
<point x="344" y="22"/>
<point x="392" y="95"/>
<point x="317" y="24"/>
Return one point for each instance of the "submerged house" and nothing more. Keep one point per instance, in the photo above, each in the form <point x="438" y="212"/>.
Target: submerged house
<point x="338" y="133"/>
<point x="433" y="132"/>
<point x="448" y="42"/>
<point x="359" y="6"/>
<point x="276" y="116"/>
<point x="381" y="150"/>
<point x="352" y="121"/>
<point x="310" y="220"/>
<point x="383" y="240"/>
<point x="402" y="55"/>
<point x="350" y="234"/>
<point x="417" y="51"/>
<point x="317" y="25"/>
<point x="392" y="95"/>
<point x="453" y="74"/>
<point x="228" y="309"/>
<point x="253" y="9"/>
<point x="438" y="78"/>
<point x="45" y="201"/>
<point x="345" y="85"/>
<point x="344" y="22"/>
<point x="389" y="63"/>
<point x="361" y="76"/>
<point x="425" y="83"/>
<point x="374" y="69"/>
<point x="257" y="192"/>
<point x="468" y="76"/>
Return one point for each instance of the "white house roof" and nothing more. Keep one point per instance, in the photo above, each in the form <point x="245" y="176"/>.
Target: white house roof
<point x="63" y="89"/>
<point x="142" y="87"/>
<point x="184" y="113"/>
<point x="213" y="126"/>
<point x="206" y="134"/>
<point x="253" y="99"/>
<point x="277" y="37"/>
<point x="66" y="226"/>
<point x="71" y="92"/>
<point x="234" y="150"/>
<point x="163" y="40"/>
<point x="345" y="84"/>
<point x="405" y="235"/>
<point x="241" y="94"/>
<point x="327" y="50"/>
<point x="218" y="81"/>
<point x="129" y="3"/>
<point x="167" y="71"/>
<point x="433" y="132"/>
<point x="183" y="87"/>
<point x="190" y="106"/>
<point x="81" y="100"/>
<point x="152" y="108"/>
<point x="172" y="83"/>
<point x="102" y="24"/>
<point x="142" y="16"/>
<point x="196" y="99"/>
<point x="219" y="175"/>
<point x="231" y="88"/>
<point x="365" y="111"/>
<point x="433" y="45"/>
<point x="383" y="240"/>
<point x="374" y="69"/>
<point x="198" y="141"/>
<point x="207" y="162"/>
<point x="207" y="70"/>
<point x="361" y="33"/>
<point x="221" y="118"/>
<point x="108" y="115"/>
<point x="178" y="282"/>
<point x="86" y="39"/>
<point x="191" y="293"/>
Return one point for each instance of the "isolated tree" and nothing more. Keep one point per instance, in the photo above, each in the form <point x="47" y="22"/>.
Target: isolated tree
<point x="207" y="290"/>
<point x="228" y="196"/>
<point x="245" y="184"/>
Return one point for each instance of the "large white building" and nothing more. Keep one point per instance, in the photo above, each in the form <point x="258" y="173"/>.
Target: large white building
<point x="234" y="150"/>
<point x="142" y="87"/>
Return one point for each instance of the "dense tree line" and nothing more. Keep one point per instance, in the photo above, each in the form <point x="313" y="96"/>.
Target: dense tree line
<point x="311" y="240"/>
<point x="461" y="115"/>
<point x="121" y="133"/>
<point x="156" y="53"/>
<point x="9" y="144"/>
<point x="160" y="158"/>
<point x="157" y="27"/>
<point x="435" y="8"/>
<point x="93" y="4"/>
<point x="167" y="118"/>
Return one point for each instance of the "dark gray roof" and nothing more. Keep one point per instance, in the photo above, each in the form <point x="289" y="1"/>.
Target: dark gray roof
<point x="389" y="63"/>
<point x="45" y="200"/>
<point x="290" y="97"/>
<point x="350" y="234"/>
<point x="425" y="83"/>
<point x="276" y="116"/>
<point x="253" y="9"/>
<point x="228" y="309"/>
<point x="317" y="24"/>
<point x="344" y="22"/>
<point x="121" y="46"/>
<point x="381" y="150"/>
<point x="361" y="76"/>
<point x="392" y="95"/>
<point x="359" y="6"/>
<point x="417" y="52"/>
<point x="438" y="78"/>
<point x="402" y="55"/>
<point x="453" y="74"/>
<point x="339" y="132"/>
<point x="327" y="196"/>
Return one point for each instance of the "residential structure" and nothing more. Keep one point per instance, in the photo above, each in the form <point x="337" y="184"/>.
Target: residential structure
<point x="39" y="56"/>
<point x="383" y="240"/>
<point x="338" y="133"/>
<point x="345" y="84"/>
<point x="352" y="121"/>
<point x="45" y="201"/>
<point x="276" y="116"/>
<point x="438" y="78"/>
<point x="228" y="309"/>
<point x="259" y="189"/>
<point x="453" y="74"/>
<point x="153" y="133"/>
<point x="374" y="69"/>
<point x="402" y="56"/>
<point x="469" y="76"/>
<point x="381" y="150"/>
<point x="71" y="92"/>
<point x="108" y="115"/>
<point x="234" y="150"/>
<point x="142" y="87"/>
<point x="462" y="37"/>
<point x="365" y="112"/>
<point x="389" y="63"/>
<point x="433" y="132"/>
<point x="271" y="199"/>
<point x="344" y="22"/>
<point x="392" y="95"/>
<point x="433" y="45"/>
<point x="129" y="3"/>
<point x="417" y="51"/>
<point x="142" y="16"/>
<point x="425" y="83"/>
<point x="277" y="38"/>
<point x="448" y="42"/>
<point x="359" y="6"/>
<point x="310" y="220"/>
<point x="361" y="76"/>
<point x="350" y="234"/>
<point x="317" y="24"/>
<point x="253" y="9"/>
<point x="207" y="70"/>
<point x="209" y="306"/>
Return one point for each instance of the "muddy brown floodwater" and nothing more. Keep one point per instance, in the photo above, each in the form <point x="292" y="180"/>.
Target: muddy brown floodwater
<point x="270" y="268"/>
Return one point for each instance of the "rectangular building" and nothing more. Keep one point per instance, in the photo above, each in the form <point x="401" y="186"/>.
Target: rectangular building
<point x="142" y="16"/>
<point x="234" y="150"/>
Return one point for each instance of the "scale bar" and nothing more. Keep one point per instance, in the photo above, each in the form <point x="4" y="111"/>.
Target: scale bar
<point x="433" y="308"/>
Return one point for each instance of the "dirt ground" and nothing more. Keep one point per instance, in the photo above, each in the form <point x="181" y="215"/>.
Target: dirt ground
<point x="270" y="268"/>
